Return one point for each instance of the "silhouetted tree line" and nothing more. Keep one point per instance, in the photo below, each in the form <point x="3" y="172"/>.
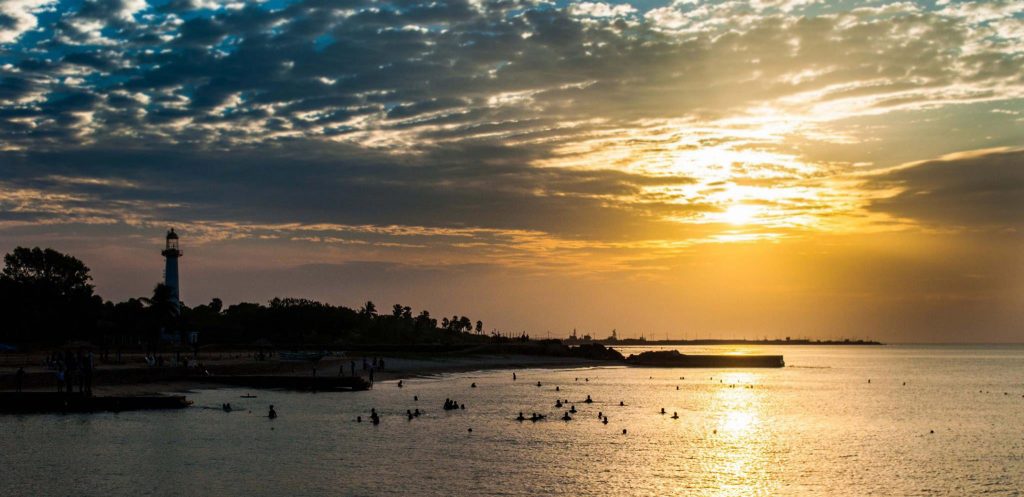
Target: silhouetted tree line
<point x="46" y="298"/>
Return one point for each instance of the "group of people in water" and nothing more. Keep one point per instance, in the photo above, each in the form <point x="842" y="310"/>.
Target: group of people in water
<point x="450" y="405"/>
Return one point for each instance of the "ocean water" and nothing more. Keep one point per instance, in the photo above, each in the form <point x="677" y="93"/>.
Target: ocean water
<point x="816" y="427"/>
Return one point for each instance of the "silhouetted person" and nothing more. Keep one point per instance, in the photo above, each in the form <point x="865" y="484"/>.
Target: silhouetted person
<point x="589" y="400"/>
<point x="605" y="420"/>
<point x="399" y="383"/>
<point x="272" y="414"/>
<point x="675" y="415"/>
<point x="473" y="385"/>
<point x="353" y="364"/>
<point x="663" y="410"/>
<point x="19" y="378"/>
<point x="622" y="404"/>
<point x="566" y="417"/>
<point x="521" y="417"/>
<point x="513" y="376"/>
<point x="87" y="371"/>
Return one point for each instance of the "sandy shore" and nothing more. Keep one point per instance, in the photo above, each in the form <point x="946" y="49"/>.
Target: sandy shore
<point x="130" y="379"/>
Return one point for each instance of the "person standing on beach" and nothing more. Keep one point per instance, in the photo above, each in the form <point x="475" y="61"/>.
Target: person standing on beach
<point x="88" y="371"/>
<point x="19" y="378"/>
<point x="353" y="364"/>
<point x="371" y="376"/>
<point x="69" y="373"/>
<point x="81" y="367"/>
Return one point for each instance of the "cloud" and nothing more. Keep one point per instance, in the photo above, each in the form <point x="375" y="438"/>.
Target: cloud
<point x="975" y="191"/>
<point x="20" y="16"/>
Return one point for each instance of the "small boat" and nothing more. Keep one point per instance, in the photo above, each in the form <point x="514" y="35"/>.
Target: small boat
<point x="248" y="396"/>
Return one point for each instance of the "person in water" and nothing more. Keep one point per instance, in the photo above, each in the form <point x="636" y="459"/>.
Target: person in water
<point x="572" y="409"/>
<point x="589" y="400"/>
<point x="272" y="414"/>
<point x="558" y="403"/>
<point x="566" y="417"/>
<point x="622" y="404"/>
<point x="675" y="415"/>
<point x="521" y="417"/>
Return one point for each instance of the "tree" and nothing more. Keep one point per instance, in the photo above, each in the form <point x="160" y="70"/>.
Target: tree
<point x="49" y="271"/>
<point x="479" y="327"/>
<point x="369" y="309"/>
<point x="396" y="310"/>
<point x="45" y="296"/>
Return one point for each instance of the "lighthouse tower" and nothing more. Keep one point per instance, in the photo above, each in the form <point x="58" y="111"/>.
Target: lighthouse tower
<point x="171" y="253"/>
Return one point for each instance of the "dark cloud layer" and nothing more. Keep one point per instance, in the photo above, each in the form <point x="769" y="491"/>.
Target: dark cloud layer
<point x="976" y="191"/>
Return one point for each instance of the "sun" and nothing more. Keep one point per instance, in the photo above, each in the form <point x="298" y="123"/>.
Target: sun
<point x="740" y="214"/>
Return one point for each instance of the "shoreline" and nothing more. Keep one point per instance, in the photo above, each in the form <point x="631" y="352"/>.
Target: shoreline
<point x="131" y="381"/>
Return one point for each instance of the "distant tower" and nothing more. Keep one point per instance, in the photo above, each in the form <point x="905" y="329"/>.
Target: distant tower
<point x="171" y="253"/>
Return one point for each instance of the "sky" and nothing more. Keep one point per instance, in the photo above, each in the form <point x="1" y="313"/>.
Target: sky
<point x="682" y="168"/>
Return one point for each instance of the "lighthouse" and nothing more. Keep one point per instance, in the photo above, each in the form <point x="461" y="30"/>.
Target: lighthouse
<point x="171" y="254"/>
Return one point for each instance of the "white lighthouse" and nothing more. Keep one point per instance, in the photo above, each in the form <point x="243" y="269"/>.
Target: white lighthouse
<point x="171" y="254"/>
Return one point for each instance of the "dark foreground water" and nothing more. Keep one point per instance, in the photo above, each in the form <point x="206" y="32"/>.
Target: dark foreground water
<point x="816" y="427"/>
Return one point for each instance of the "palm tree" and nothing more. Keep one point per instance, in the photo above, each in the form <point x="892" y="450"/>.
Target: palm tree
<point x="162" y="309"/>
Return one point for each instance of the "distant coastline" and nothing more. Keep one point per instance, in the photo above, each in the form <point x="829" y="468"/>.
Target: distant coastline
<point x="710" y="341"/>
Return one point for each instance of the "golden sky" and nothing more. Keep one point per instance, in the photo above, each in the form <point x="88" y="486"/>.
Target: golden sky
<point x="682" y="168"/>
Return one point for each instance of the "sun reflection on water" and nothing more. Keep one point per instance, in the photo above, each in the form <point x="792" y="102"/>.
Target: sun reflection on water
<point x="739" y="445"/>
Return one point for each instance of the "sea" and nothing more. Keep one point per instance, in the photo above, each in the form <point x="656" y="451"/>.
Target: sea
<point x="892" y="420"/>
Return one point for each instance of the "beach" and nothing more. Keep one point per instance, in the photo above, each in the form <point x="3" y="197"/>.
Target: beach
<point x="134" y="377"/>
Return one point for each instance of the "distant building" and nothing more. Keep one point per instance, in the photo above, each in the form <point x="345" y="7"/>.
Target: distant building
<point x="171" y="254"/>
